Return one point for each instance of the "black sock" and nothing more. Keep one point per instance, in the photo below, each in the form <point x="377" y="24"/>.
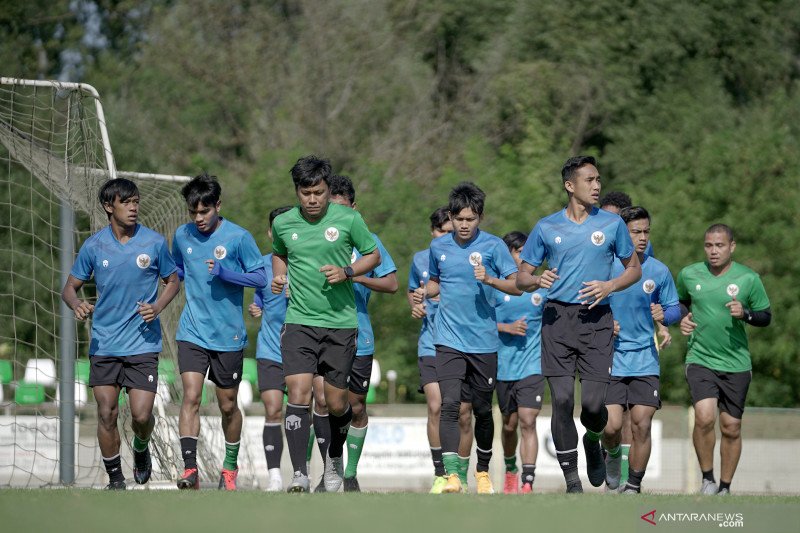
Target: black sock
<point x="635" y="478"/>
<point x="569" y="464"/>
<point x="709" y="475"/>
<point x="298" y="429"/>
<point x="273" y="444"/>
<point x="189" y="451"/>
<point x="339" y="426"/>
<point x="438" y="463"/>
<point x="114" y="468"/>
<point x="724" y="485"/>
<point x="322" y="431"/>
<point x="484" y="456"/>
<point x="528" y="473"/>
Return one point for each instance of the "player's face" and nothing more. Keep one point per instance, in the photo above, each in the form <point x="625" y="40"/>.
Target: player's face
<point x="342" y="200"/>
<point x="205" y="217"/>
<point x="465" y="224"/>
<point x="719" y="249"/>
<point x="640" y="234"/>
<point x="124" y="212"/>
<point x="314" y="199"/>
<point x="446" y="228"/>
<point x="515" y="254"/>
<point x="585" y="185"/>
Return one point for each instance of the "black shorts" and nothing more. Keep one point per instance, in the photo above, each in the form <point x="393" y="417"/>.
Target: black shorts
<point x="224" y="368"/>
<point x="628" y="391"/>
<point x="427" y="375"/>
<point x="729" y="388"/>
<point x="479" y="370"/>
<point x="131" y="371"/>
<point x="526" y="392"/>
<point x="270" y="375"/>
<point x="328" y="352"/>
<point x="360" y="374"/>
<point x="576" y="338"/>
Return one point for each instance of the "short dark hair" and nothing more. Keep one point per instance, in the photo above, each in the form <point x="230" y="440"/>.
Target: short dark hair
<point x="121" y="187"/>
<point x="310" y="170"/>
<point x="202" y="189"/>
<point x="343" y="186"/>
<point x="466" y="194"/>
<point x="618" y="199"/>
<point x="721" y="228"/>
<point x="515" y="239"/>
<point x="636" y="212"/>
<point x="278" y="211"/>
<point x="439" y="218"/>
<point x="573" y="164"/>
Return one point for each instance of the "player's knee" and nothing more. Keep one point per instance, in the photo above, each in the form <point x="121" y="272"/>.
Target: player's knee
<point x="640" y="429"/>
<point x="563" y="403"/>
<point x="107" y="416"/>
<point x="731" y="430"/>
<point x="359" y="410"/>
<point x="481" y="408"/>
<point x="228" y="408"/>
<point x="704" y="423"/>
<point x="527" y="424"/>
<point x="434" y="409"/>
<point x="141" y="419"/>
<point x="450" y="409"/>
<point x="509" y="428"/>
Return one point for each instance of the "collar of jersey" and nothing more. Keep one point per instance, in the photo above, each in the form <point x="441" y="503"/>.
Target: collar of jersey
<point x="114" y="237"/>
<point x="205" y="236"/>
<point x="469" y="242"/>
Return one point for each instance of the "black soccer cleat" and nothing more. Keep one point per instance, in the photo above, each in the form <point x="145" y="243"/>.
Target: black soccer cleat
<point x="116" y="485"/>
<point x="321" y="486"/>
<point x="190" y="480"/>
<point x="595" y="465"/>
<point x="575" y="487"/>
<point x="351" y="485"/>
<point x="142" y="466"/>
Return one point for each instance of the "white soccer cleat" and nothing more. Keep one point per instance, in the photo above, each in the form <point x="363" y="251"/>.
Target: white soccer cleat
<point x="275" y="483"/>
<point x="334" y="474"/>
<point x="709" y="487"/>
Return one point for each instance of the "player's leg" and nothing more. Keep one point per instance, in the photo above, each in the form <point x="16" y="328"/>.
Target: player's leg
<point x="226" y="373"/>
<point x="641" y="420"/>
<point x="733" y="388"/>
<point x="357" y="434"/>
<point x="467" y="434"/>
<point x="141" y="380"/>
<point x="594" y="416"/>
<point x="530" y="392"/>
<point x="451" y="370"/>
<point x="433" y="399"/>
<point x="704" y="390"/>
<point x="193" y="362"/>
<point x="508" y="435"/>
<point x="482" y="377"/>
<point x="625" y="446"/>
<point x="105" y="377"/>
<point x="322" y="427"/>
<point x="616" y="406"/>
<point x="271" y="385"/>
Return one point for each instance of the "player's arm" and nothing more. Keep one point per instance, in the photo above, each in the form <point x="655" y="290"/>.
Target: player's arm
<point x="519" y="327"/>
<point x="172" y="285"/>
<point x="366" y="263"/>
<point x="528" y="281"/>
<point x="508" y="285"/>
<point x="81" y="308"/>
<point x="387" y="283"/>
<point x="426" y="290"/>
<point x="279" y="269"/>
<point x="256" y="278"/>
<point x="596" y="291"/>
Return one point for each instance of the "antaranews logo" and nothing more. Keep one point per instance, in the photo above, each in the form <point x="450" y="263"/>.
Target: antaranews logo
<point x="720" y="519"/>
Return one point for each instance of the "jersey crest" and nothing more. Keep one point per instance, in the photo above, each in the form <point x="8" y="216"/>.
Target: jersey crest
<point x="142" y="261"/>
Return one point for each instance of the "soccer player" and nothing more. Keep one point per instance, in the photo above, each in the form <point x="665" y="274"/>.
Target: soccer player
<point x="126" y="260"/>
<point x="426" y="360"/>
<point x="218" y="259"/>
<point x="382" y="279"/>
<point x="722" y="296"/>
<point x="463" y="267"/>
<point x="634" y="373"/>
<point x="314" y="243"/>
<point x="271" y="308"/>
<point x="579" y="244"/>
<point x="520" y="384"/>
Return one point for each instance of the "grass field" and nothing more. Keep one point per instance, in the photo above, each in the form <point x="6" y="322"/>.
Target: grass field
<point x="85" y="510"/>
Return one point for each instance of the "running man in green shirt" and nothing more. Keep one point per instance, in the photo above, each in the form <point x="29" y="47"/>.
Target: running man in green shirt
<point x="312" y="246"/>
<point x="719" y="297"/>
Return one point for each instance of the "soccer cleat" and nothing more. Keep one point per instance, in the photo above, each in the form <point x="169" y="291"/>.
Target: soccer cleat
<point x="190" y="479"/>
<point x="453" y="485"/>
<point x="227" y="479"/>
<point x="438" y="484"/>
<point x="575" y="487"/>
<point x="595" y="466"/>
<point x="275" y="483"/>
<point x="334" y="474"/>
<point x="629" y="490"/>
<point x="613" y="471"/>
<point x="724" y="492"/>
<point x="321" y="485"/>
<point x="299" y="483"/>
<point x="511" y="483"/>
<point x="709" y="487"/>
<point x="351" y="485"/>
<point x="484" y="483"/>
<point x="116" y="485"/>
<point x="142" y="466"/>
<point x="527" y="488"/>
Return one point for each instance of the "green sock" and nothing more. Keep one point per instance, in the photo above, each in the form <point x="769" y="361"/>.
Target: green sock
<point x="451" y="463"/>
<point x="139" y="445"/>
<point x="463" y="468"/>
<point x="310" y="445"/>
<point x="594" y="437"/>
<point x="626" y="449"/>
<point x="231" y="455"/>
<point x="615" y="452"/>
<point x="355" y="443"/>
<point x="511" y="464"/>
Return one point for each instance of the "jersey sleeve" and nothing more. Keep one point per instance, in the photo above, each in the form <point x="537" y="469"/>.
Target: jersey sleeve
<point x="757" y="300"/>
<point x="278" y="244"/>
<point x="177" y="256"/>
<point x="414" y="276"/>
<point x="667" y="293"/>
<point x="249" y="255"/>
<point x="363" y="241"/>
<point x="534" y="251"/>
<point x="623" y="245"/>
<point x="84" y="263"/>
<point x="503" y="261"/>
<point x="680" y="287"/>
<point x="433" y="264"/>
<point x="166" y="264"/>
<point x="387" y="265"/>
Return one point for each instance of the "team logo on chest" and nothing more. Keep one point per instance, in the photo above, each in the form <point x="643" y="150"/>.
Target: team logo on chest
<point x="443" y="258"/>
<point x="733" y="290"/>
<point x="189" y="250"/>
<point x="143" y="261"/>
<point x="331" y="234"/>
<point x="294" y="236"/>
<point x="558" y="240"/>
<point x="105" y="263"/>
<point x="649" y="286"/>
<point x="220" y="252"/>
<point x="475" y="259"/>
<point x="506" y="298"/>
<point x="536" y="299"/>
<point x="598" y="238"/>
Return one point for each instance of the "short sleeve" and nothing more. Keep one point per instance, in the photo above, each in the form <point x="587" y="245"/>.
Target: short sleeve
<point x="433" y="264"/>
<point x="177" y="256"/>
<point x="166" y="264"/>
<point x="623" y="245"/>
<point x="757" y="299"/>
<point x="504" y="263"/>
<point x="387" y="265"/>
<point x="680" y="287"/>
<point x="84" y="263"/>
<point x="278" y="244"/>
<point x="534" y="250"/>
<point x="667" y="293"/>
<point x="363" y="241"/>
<point x="249" y="255"/>
<point x="414" y="276"/>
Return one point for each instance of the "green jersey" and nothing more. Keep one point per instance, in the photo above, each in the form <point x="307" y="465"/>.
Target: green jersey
<point x="310" y="245"/>
<point x="720" y="342"/>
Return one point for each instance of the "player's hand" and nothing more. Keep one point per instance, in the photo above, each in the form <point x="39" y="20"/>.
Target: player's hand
<point x="616" y="329"/>
<point x="418" y="296"/>
<point x="687" y="326"/>
<point x="595" y="292"/>
<point x="547" y="278"/>
<point x="278" y="283"/>
<point x="83" y="310"/>
<point x="148" y="312"/>
<point x="736" y="308"/>
<point x="418" y="311"/>
<point x="210" y="263"/>
<point x="333" y="274"/>
<point x="666" y="337"/>
<point x="518" y="327"/>
<point x="480" y="273"/>
<point x="254" y="310"/>
<point x="658" y="312"/>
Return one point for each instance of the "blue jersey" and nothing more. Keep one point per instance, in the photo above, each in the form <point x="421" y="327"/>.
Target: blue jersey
<point x="581" y="252"/>
<point x="649" y="249"/>
<point x="466" y="319"/>
<point x="631" y="308"/>
<point x="520" y="357"/>
<point x="212" y="317"/>
<point x="125" y="274"/>
<point x="419" y="273"/>
<point x="366" y="339"/>
<point x="273" y="314"/>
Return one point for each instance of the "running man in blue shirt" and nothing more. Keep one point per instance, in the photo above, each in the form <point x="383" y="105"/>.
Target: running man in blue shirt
<point x="579" y="244"/>
<point x="520" y="384"/>
<point x="426" y="354"/>
<point x="126" y="260"/>
<point x="634" y="373"/>
<point x="218" y="259"/>
<point x="464" y="267"/>
<point x="271" y="308"/>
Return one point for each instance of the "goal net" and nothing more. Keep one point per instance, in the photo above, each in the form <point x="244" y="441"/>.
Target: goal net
<point x="55" y="153"/>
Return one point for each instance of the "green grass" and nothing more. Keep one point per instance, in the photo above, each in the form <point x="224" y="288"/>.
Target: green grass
<point x="85" y="510"/>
